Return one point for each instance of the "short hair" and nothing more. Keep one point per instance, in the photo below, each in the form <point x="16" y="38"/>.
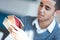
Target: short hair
<point x="57" y="5"/>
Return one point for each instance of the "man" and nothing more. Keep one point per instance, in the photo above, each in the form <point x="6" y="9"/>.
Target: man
<point x="44" y="27"/>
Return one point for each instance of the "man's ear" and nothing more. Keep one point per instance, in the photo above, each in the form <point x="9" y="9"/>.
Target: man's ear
<point x="58" y="16"/>
<point x="57" y="12"/>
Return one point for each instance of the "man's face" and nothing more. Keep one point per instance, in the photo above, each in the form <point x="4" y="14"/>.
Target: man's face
<point x="46" y="10"/>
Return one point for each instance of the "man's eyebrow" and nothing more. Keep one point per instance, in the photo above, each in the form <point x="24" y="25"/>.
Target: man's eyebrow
<point x="41" y="3"/>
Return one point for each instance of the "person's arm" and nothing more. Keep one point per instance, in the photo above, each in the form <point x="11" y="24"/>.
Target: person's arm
<point x="18" y="34"/>
<point x="11" y="23"/>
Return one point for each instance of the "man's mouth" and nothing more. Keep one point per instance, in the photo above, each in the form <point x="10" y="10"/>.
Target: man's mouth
<point x="41" y="14"/>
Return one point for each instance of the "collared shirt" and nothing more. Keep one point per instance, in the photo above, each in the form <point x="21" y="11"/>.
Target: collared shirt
<point x="49" y="28"/>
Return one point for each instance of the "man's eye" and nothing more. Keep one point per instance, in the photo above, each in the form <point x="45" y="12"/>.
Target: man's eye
<point x="41" y="5"/>
<point x="47" y="8"/>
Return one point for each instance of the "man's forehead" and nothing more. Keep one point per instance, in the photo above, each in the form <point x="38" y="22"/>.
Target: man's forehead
<point x="48" y="1"/>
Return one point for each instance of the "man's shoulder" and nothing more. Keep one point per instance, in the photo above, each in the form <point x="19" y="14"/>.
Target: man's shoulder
<point x="58" y="30"/>
<point x="27" y="18"/>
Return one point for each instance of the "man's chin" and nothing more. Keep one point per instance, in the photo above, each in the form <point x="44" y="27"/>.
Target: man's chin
<point x="41" y="19"/>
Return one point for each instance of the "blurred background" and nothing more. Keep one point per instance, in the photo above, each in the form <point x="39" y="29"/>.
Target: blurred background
<point x="20" y="7"/>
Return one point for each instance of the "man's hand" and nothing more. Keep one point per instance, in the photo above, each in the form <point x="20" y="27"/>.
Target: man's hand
<point x="18" y="34"/>
<point x="14" y="26"/>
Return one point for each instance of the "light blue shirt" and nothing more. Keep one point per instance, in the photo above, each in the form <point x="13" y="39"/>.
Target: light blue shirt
<point x="39" y="30"/>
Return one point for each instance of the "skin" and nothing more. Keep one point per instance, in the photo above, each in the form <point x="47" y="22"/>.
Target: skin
<point x="46" y="13"/>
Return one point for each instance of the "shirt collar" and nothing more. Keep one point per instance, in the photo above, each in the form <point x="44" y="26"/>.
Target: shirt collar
<point x="49" y="28"/>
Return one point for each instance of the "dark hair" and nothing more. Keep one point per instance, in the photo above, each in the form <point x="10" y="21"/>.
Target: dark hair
<point x="57" y="5"/>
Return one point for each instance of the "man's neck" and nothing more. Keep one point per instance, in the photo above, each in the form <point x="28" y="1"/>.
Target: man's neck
<point x="45" y="24"/>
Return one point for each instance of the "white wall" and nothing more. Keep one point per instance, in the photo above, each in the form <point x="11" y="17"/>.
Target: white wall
<point x="19" y="7"/>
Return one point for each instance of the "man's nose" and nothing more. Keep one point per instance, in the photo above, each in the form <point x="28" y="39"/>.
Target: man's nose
<point x="42" y="10"/>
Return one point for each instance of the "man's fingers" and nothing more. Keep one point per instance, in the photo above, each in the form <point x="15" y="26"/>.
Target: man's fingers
<point x="12" y="29"/>
<point x="15" y="27"/>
